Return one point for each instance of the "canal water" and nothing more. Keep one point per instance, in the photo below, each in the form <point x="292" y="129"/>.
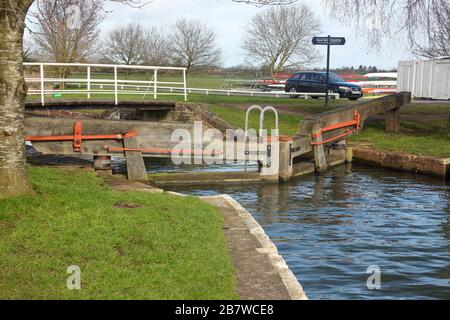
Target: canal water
<point x="331" y="228"/>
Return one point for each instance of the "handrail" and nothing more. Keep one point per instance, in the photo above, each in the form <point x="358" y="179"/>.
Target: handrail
<point x="119" y="66"/>
<point x="261" y="120"/>
<point x="247" y="116"/>
<point x="118" y="84"/>
<point x="262" y="112"/>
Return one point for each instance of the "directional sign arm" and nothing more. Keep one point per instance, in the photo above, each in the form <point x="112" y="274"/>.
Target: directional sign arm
<point x="334" y="41"/>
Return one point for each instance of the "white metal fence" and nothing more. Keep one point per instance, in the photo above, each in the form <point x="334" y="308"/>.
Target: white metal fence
<point x="41" y="80"/>
<point x="253" y="93"/>
<point x="111" y="84"/>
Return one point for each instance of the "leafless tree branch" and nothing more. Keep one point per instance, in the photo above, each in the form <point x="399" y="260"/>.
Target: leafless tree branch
<point x="280" y="37"/>
<point x="261" y="3"/>
<point x="192" y="44"/>
<point x="65" y="36"/>
<point x="419" y="21"/>
<point x="136" y="44"/>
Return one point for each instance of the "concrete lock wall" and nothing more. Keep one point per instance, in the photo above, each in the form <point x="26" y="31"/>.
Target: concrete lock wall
<point x="427" y="79"/>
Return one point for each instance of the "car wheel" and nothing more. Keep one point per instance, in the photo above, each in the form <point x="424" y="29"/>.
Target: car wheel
<point x="293" y="90"/>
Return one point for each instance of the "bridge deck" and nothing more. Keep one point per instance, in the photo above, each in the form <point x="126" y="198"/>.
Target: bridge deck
<point x="92" y="104"/>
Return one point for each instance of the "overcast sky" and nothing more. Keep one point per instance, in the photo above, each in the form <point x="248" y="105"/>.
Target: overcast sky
<point x="229" y="20"/>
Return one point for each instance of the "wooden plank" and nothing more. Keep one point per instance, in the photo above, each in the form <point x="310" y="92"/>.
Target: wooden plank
<point x="393" y="121"/>
<point x="319" y="150"/>
<point x="82" y="104"/>
<point x="347" y="113"/>
<point x="135" y="162"/>
<point x="150" y="134"/>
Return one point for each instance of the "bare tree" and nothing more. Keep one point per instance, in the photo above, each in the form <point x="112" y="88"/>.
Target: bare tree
<point x="67" y="31"/>
<point x="387" y="20"/>
<point x="29" y="51"/>
<point x="192" y="44"/>
<point x="280" y="37"/>
<point x="155" y="50"/>
<point x="14" y="180"/>
<point x="266" y="2"/>
<point x="438" y="35"/>
<point x="123" y="44"/>
<point x="13" y="89"/>
<point x="135" y="44"/>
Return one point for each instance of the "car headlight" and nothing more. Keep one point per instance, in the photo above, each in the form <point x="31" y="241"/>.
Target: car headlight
<point x="344" y="88"/>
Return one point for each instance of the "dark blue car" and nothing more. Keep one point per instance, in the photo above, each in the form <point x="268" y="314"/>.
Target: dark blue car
<point x="314" y="82"/>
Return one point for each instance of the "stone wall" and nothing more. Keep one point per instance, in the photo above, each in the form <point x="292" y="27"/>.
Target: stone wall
<point x="403" y="161"/>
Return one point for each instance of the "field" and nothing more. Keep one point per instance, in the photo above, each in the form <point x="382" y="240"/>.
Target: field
<point x="130" y="245"/>
<point x="422" y="131"/>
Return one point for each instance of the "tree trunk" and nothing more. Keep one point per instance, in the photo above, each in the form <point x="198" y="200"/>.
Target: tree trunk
<point x="13" y="172"/>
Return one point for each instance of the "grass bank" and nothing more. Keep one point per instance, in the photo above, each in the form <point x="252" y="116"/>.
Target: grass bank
<point x="422" y="126"/>
<point x="128" y="245"/>
<point x="288" y="124"/>
<point x="417" y="138"/>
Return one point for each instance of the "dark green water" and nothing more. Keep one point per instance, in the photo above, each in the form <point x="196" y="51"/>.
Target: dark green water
<point x="331" y="228"/>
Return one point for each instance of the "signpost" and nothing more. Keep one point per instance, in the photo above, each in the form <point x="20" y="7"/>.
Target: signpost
<point x="328" y="41"/>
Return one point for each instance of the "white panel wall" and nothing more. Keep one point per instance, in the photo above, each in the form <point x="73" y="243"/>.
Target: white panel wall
<point x="428" y="79"/>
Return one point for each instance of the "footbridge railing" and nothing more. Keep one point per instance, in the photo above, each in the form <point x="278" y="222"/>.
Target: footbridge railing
<point x="46" y="79"/>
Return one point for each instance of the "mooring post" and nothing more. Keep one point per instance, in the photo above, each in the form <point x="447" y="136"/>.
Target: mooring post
<point x="393" y="120"/>
<point x="103" y="165"/>
<point x="135" y="162"/>
<point x="286" y="161"/>
<point x="270" y="164"/>
<point x="319" y="150"/>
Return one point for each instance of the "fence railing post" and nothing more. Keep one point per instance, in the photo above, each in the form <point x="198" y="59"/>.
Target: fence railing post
<point x="185" y="84"/>
<point x="89" y="82"/>
<point x="155" y="84"/>
<point x="116" y="95"/>
<point x="42" y="84"/>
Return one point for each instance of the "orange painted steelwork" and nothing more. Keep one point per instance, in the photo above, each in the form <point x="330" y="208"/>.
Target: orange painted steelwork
<point x="356" y="123"/>
<point x="78" y="137"/>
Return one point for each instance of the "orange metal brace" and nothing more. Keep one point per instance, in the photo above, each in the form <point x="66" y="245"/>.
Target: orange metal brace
<point x="356" y="123"/>
<point x="78" y="137"/>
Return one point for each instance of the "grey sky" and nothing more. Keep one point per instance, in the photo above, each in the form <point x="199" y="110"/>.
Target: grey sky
<point x="229" y="20"/>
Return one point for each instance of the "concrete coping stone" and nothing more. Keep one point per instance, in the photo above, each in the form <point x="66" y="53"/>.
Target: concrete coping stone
<point x="267" y="246"/>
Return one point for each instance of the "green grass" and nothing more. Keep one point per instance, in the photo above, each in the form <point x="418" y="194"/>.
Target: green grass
<point x="288" y="124"/>
<point x="426" y="109"/>
<point x="310" y="105"/>
<point x="168" y="248"/>
<point x="416" y="138"/>
<point x="194" y="80"/>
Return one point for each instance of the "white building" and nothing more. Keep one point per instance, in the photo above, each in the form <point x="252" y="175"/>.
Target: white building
<point x="425" y="79"/>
